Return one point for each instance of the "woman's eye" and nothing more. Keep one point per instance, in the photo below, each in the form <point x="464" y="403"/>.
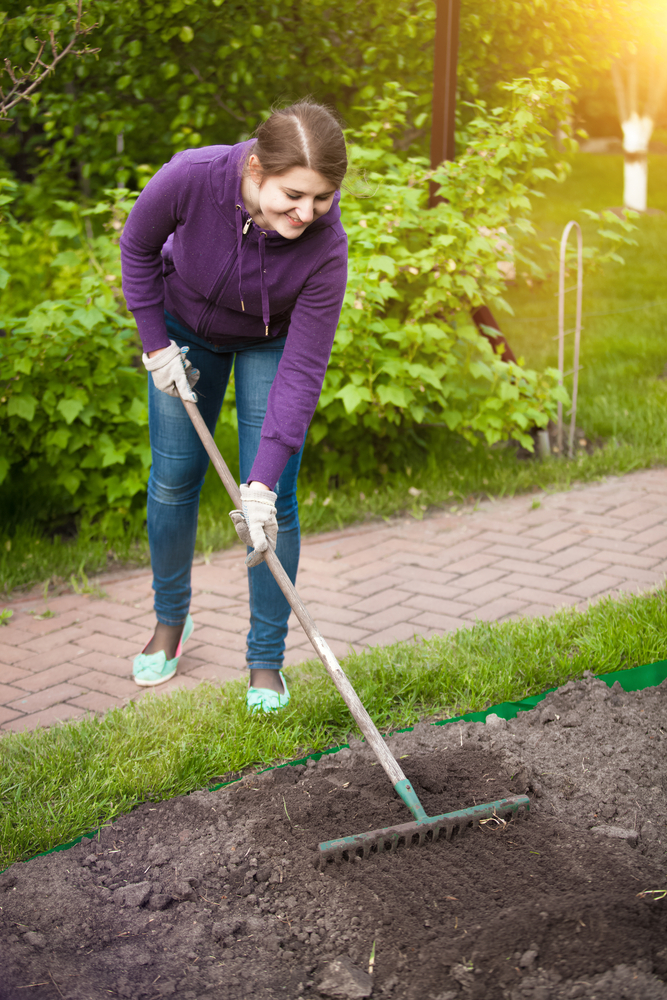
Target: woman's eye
<point x="293" y="197"/>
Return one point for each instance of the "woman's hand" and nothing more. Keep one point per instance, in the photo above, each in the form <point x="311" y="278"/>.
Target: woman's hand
<point x="256" y="524"/>
<point x="172" y="372"/>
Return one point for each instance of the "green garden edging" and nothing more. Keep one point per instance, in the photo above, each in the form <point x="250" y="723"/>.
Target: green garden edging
<point x="635" y="679"/>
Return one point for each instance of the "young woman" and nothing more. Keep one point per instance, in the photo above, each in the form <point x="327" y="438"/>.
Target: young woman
<point x="236" y="256"/>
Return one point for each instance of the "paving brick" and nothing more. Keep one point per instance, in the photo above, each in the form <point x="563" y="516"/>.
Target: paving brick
<point x="10" y="693"/>
<point x="118" y="687"/>
<point x="478" y="561"/>
<point x="113" y="628"/>
<point x="563" y="540"/>
<point x="327" y="613"/>
<point x="118" y="666"/>
<point x="53" y="675"/>
<point x="45" y="626"/>
<point x="611" y="546"/>
<point x="110" y="609"/>
<point x="567" y="557"/>
<point x="629" y="559"/>
<point x="649" y="577"/>
<point x="346" y="633"/>
<point x="380" y="601"/>
<point x="326" y="581"/>
<point x="62" y="712"/>
<point x="45" y="643"/>
<point x="424" y="602"/>
<point x="101" y="644"/>
<point x="12" y="674"/>
<point x="13" y="654"/>
<point x="384" y="619"/>
<point x="218" y="673"/>
<point x="439" y="623"/>
<point x="95" y="701"/>
<point x="470" y="581"/>
<point x="490" y="592"/>
<point x="215" y="654"/>
<point x="40" y="661"/>
<point x="659" y="550"/>
<point x="13" y="636"/>
<point x="550" y="529"/>
<point x="594" y="585"/>
<point x="218" y="619"/>
<point x="379" y="569"/>
<point x="446" y="592"/>
<point x="462" y="549"/>
<point x="298" y="655"/>
<point x="204" y="601"/>
<point x="634" y="509"/>
<point x="41" y="700"/>
<point x="516" y="565"/>
<point x="400" y="632"/>
<point x="425" y="575"/>
<point x="537" y="611"/>
<point x="218" y="637"/>
<point x="553" y="598"/>
<point x="332" y="598"/>
<point x="516" y="552"/>
<point x="579" y="571"/>
<point x="366" y="588"/>
<point x="613" y="534"/>
<point x="7" y="714"/>
<point x="539" y="582"/>
<point x="495" y="610"/>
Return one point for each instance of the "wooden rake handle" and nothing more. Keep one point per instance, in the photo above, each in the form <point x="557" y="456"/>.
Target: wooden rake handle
<point x="331" y="664"/>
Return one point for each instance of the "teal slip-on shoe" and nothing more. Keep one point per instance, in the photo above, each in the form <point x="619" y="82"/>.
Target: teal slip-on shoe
<point x="150" y="669"/>
<point x="265" y="700"/>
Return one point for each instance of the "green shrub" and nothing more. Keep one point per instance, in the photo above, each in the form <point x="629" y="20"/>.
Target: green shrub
<point x="407" y="354"/>
<point x="73" y="412"/>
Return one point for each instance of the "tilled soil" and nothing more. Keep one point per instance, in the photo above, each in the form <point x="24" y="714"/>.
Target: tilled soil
<point x="217" y="895"/>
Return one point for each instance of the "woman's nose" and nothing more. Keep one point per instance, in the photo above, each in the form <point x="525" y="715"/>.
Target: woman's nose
<point x="306" y="211"/>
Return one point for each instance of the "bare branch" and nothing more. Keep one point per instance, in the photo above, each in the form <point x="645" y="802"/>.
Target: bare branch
<point x="25" y="84"/>
<point x="633" y="82"/>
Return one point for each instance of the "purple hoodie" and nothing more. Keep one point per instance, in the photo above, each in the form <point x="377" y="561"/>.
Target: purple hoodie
<point x="190" y="247"/>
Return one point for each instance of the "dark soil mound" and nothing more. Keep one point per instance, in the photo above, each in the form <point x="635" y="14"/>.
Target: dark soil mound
<point x="217" y="895"/>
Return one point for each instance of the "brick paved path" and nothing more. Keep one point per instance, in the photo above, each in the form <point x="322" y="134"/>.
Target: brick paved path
<point x="365" y="586"/>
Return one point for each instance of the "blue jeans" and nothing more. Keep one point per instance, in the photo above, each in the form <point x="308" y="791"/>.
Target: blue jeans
<point x="177" y="476"/>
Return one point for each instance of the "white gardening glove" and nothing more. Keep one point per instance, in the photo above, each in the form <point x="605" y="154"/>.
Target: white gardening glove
<point x="256" y="524"/>
<point x="172" y="372"/>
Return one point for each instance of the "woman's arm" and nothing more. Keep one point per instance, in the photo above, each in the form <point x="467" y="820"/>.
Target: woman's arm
<point x="298" y="383"/>
<point x="155" y="215"/>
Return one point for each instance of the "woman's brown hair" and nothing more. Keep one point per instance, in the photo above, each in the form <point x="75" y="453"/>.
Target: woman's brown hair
<point x="302" y="135"/>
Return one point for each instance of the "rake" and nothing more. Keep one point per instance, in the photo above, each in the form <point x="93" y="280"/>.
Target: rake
<point x="422" y="828"/>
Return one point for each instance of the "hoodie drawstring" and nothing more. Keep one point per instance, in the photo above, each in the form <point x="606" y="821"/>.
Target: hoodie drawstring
<point x="266" y="315"/>
<point x="241" y="230"/>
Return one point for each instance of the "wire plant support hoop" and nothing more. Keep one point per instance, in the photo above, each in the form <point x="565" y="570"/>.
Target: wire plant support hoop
<point x="562" y="332"/>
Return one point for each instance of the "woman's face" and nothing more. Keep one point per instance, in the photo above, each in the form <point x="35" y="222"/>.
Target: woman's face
<point x="288" y="203"/>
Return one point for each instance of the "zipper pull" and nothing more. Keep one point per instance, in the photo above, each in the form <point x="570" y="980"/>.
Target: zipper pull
<point x="247" y="226"/>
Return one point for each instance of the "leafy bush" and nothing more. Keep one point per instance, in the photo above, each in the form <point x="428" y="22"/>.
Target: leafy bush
<point x="73" y="413"/>
<point x="407" y="353"/>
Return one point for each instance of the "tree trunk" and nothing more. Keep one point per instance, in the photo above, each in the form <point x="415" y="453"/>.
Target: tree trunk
<point x="637" y="131"/>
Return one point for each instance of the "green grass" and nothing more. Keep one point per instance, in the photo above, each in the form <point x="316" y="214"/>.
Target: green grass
<point x="622" y="402"/>
<point x="58" y="783"/>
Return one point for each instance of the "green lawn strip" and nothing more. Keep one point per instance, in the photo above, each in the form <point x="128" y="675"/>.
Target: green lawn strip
<point x="58" y="783"/>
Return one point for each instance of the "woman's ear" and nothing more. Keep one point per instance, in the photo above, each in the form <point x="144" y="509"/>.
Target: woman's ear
<point x="255" y="169"/>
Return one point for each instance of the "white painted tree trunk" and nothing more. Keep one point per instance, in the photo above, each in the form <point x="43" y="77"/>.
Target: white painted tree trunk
<point x="637" y="131"/>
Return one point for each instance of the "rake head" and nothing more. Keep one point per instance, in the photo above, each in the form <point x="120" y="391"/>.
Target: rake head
<point x="421" y="831"/>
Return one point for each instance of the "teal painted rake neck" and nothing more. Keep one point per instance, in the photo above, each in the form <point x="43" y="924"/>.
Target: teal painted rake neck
<point x="423" y="828"/>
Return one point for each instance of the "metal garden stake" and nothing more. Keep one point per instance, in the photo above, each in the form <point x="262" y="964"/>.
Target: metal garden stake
<point x="562" y="331"/>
